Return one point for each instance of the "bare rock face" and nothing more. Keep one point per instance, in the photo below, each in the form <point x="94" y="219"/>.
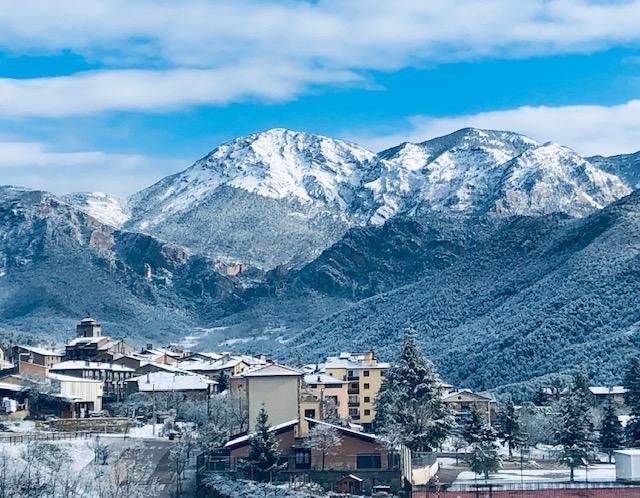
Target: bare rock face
<point x="57" y="262"/>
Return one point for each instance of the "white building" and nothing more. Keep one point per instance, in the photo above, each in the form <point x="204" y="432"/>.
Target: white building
<point x="627" y="465"/>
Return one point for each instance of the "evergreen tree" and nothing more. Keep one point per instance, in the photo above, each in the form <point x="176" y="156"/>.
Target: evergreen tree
<point x="581" y="384"/>
<point x="211" y="438"/>
<point x="539" y="397"/>
<point x="574" y="430"/>
<point x="509" y="429"/>
<point x="263" y="454"/>
<point x="472" y="427"/>
<point x="223" y="381"/>
<point x="611" y="432"/>
<point x="632" y="400"/>
<point x="484" y="456"/>
<point x="409" y="407"/>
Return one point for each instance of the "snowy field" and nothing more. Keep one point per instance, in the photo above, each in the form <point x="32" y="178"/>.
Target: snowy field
<point x="599" y="472"/>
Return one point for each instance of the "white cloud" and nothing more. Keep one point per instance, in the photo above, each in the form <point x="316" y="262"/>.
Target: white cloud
<point x="589" y="129"/>
<point x="155" y="91"/>
<point x="36" y="165"/>
<point x="215" y="52"/>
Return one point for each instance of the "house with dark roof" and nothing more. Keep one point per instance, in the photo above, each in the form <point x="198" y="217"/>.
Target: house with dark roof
<point x="360" y="461"/>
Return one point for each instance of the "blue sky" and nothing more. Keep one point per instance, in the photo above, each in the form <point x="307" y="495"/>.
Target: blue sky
<point x="113" y="95"/>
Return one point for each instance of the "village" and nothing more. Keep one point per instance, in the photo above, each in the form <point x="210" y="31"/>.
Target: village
<point x="170" y="422"/>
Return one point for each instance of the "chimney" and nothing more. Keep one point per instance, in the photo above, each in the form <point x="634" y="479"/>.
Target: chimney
<point x="369" y="357"/>
<point x="149" y="346"/>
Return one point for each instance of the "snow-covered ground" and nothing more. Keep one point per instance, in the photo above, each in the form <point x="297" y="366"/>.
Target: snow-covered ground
<point x="599" y="472"/>
<point x="79" y="450"/>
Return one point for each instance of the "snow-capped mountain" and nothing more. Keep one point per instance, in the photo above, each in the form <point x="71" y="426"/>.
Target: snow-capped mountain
<point x="454" y="173"/>
<point x="264" y="199"/>
<point x="554" y="179"/>
<point x="281" y="196"/>
<point x="625" y="166"/>
<point x="107" y="208"/>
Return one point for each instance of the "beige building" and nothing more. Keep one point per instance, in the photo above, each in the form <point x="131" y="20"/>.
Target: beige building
<point x="84" y="394"/>
<point x="461" y="402"/>
<point x="275" y="387"/>
<point x="322" y="397"/>
<point x="113" y="376"/>
<point x="364" y="375"/>
<point x="37" y="356"/>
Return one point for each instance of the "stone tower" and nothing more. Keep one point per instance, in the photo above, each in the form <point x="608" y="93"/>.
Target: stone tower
<point x="88" y="327"/>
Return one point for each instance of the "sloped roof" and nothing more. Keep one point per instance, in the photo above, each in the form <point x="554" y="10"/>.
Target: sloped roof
<point x="467" y="392"/>
<point x="272" y="370"/>
<point x="350" y="432"/>
<point x="604" y="390"/>
<point x="88" y="340"/>
<point x="165" y="381"/>
<point x="89" y="365"/>
<point x="319" y="378"/>
<point x="41" y="351"/>
<point x="240" y="441"/>
<point x="71" y="378"/>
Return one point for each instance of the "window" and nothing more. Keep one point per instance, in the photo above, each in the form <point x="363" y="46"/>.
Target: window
<point x="366" y="386"/>
<point x="310" y="413"/>
<point x="367" y="399"/>
<point x="303" y="458"/>
<point x="367" y="412"/>
<point x="366" y="373"/>
<point x="355" y="385"/>
<point x="368" y="461"/>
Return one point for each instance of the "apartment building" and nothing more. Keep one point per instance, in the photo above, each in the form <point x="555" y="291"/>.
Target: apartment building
<point x="364" y="374"/>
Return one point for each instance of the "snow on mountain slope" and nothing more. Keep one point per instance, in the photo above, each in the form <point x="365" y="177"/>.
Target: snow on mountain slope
<point x="295" y="186"/>
<point x="278" y="163"/>
<point x="281" y="196"/>
<point x="453" y="173"/>
<point x="625" y="166"/>
<point x="554" y="179"/>
<point x="106" y="208"/>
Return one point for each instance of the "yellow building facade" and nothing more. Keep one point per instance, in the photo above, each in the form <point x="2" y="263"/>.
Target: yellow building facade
<point x="364" y="375"/>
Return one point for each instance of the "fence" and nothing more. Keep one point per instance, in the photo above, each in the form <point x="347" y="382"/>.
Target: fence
<point x="533" y="489"/>
<point x="44" y="436"/>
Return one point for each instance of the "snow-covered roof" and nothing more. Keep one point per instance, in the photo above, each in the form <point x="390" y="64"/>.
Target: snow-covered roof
<point x="41" y="351"/>
<point x="604" y="390"/>
<point x="71" y="378"/>
<point x="164" y="366"/>
<point x="272" y="370"/>
<point x="467" y="392"/>
<point x="629" y="452"/>
<point x="319" y="378"/>
<point x="12" y="387"/>
<point x="355" y="361"/>
<point x="211" y="366"/>
<point x="346" y="430"/>
<point x="273" y="428"/>
<point x="88" y="340"/>
<point x="89" y="365"/>
<point x="355" y="478"/>
<point x="165" y="381"/>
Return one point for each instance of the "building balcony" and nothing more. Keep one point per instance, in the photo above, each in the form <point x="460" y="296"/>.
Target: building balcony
<point x="354" y="404"/>
<point x="353" y="377"/>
